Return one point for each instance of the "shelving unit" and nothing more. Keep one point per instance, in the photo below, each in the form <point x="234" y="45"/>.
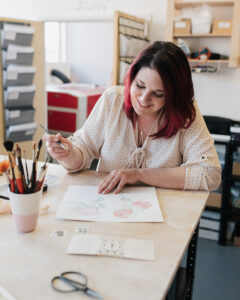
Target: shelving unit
<point x="221" y="203"/>
<point x="175" y="9"/>
<point x="130" y="36"/>
<point x="38" y="82"/>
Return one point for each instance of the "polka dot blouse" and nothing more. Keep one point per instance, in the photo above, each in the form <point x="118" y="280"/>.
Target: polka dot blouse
<point x="109" y="136"/>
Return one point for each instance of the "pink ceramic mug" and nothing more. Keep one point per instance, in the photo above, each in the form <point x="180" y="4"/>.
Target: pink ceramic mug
<point x="25" y="210"/>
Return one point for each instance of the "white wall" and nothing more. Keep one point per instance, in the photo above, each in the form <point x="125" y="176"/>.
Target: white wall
<point x="90" y="51"/>
<point x="217" y="94"/>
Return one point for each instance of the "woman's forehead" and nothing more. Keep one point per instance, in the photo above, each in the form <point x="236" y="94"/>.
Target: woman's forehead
<point x="150" y="77"/>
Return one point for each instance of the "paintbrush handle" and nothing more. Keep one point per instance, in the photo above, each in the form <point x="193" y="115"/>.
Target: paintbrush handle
<point x="33" y="177"/>
<point x="19" y="180"/>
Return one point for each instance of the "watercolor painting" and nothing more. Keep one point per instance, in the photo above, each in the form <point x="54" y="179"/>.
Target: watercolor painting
<point x="134" y="204"/>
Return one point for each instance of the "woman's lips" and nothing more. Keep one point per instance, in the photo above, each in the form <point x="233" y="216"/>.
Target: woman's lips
<point x="141" y="105"/>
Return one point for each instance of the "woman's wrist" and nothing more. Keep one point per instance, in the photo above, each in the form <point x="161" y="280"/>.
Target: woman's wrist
<point x="69" y="161"/>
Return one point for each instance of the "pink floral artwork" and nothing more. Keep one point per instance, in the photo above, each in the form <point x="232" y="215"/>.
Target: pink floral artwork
<point x="143" y="205"/>
<point x="123" y="213"/>
<point x="88" y="211"/>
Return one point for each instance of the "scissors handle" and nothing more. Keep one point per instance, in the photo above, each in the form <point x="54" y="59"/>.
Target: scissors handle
<point x="75" y="285"/>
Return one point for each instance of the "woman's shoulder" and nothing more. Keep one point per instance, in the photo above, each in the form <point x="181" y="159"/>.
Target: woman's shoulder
<point x="114" y="91"/>
<point x="114" y="95"/>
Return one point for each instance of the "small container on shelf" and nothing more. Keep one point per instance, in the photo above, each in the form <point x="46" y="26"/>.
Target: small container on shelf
<point x="201" y="25"/>
<point x="22" y="132"/>
<point x="182" y="26"/>
<point x="16" y="75"/>
<point x="222" y="27"/>
<point x="18" y="116"/>
<point x="19" y="96"/>
<point x="16" y="34"/>
<point x="17" y="55"/>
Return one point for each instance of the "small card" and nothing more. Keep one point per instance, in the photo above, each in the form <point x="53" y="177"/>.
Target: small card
<point x="81" y="229"/>
<point x="90" y="244"/>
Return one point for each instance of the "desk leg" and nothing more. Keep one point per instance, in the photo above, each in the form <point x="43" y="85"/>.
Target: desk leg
<point x="226" y="193"/>
<point x="182" y="286"/>
<point x="191" y="261"/>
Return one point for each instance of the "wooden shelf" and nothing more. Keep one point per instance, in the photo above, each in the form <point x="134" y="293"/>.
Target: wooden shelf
<point x="176" y="11"/>
<point x="180" y="5"/>
<point x="201" y="35"/>
<point x="214" y="61"/>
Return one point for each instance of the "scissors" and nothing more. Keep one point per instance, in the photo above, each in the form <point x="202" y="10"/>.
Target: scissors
<point x="67" y="283"/>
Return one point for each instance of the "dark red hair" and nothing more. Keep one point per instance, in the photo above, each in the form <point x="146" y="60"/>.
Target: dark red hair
<point x="172" y="66"/>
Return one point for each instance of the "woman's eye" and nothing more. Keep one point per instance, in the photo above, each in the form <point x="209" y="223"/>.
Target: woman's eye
<point x="159" y="95"/>
<point x="140" y="86"/>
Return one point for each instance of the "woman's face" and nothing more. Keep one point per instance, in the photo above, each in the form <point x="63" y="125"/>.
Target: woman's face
<point x="147" y="93"/>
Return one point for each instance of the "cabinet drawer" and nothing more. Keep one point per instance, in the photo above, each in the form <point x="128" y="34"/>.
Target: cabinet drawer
<point x="62" y="121"/>
<point x="62" y="100"/>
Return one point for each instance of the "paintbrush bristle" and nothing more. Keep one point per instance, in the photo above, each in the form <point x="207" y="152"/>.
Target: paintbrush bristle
<point x="8" y="144"/>
<point x="40" y="144"/>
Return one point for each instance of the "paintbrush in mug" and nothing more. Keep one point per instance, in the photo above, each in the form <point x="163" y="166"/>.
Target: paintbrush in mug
<point x="58" y="142"/>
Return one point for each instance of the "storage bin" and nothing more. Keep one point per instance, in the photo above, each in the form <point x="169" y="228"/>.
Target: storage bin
<point x="182" y="26"/>
<point x="16" y="34"/>
<point x="19" y="96"/>
<point x="18" y="75"/>
<point x="222" y="27"/>
<point x="21" y="133"/>
<point x="201" y="25"/>
<point x="18" y="116"/>
<point x="17" y="55"/>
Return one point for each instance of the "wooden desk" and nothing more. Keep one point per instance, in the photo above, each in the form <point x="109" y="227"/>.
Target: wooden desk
<point x="28" y="262"/>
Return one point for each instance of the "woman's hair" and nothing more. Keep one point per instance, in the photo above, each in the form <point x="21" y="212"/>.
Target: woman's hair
<point x="172" y="66"/>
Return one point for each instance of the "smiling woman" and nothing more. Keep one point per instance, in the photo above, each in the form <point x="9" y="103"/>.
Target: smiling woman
<point x="149" y="131"/>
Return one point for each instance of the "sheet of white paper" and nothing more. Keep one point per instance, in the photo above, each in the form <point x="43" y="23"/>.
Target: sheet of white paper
<point x="91" y="244"/>
<point x="133" y="204"/>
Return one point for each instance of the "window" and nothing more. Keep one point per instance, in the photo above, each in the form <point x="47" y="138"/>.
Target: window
<point x="55" y="42"/>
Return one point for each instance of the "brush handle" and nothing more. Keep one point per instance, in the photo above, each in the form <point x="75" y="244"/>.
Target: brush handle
<point x="33" y="177"/>
<point x="12" y="185"/>
<point x="4" y="197"/>
<point x="19" y="185"/>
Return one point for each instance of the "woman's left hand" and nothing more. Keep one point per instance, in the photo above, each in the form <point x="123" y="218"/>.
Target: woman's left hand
<point x="118" y="179"/>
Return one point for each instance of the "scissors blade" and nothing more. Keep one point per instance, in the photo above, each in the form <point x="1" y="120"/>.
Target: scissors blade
<point x="92" y="293"/>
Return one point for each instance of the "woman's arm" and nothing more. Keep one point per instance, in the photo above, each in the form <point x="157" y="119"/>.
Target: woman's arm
<point x="160" y="177"/>
<point x="85" y="144"/>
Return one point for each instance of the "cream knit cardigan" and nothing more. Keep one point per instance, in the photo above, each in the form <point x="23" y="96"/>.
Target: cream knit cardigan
<point x="109" y="136"/>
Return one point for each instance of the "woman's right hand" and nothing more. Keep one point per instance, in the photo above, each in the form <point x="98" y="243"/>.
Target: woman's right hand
<point x="56" y="151"/>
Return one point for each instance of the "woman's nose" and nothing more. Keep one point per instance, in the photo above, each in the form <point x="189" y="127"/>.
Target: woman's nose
<point x="144" y="98"/>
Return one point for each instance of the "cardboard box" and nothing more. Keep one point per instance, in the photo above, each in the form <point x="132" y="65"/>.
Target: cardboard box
<point x="182" y="27"/>
<point x="222" y="27"/>
<point x="69" y="105"/>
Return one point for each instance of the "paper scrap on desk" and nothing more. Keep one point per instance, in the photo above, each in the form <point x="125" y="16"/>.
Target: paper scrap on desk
<point x="133" y="204"/>
<point x="90" y="244"/>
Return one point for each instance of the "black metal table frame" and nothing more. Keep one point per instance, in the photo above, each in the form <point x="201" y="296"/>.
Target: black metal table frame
<point x="182" y="286"/>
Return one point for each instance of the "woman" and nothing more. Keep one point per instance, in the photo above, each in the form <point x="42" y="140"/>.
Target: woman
<point x="148" y="131"/>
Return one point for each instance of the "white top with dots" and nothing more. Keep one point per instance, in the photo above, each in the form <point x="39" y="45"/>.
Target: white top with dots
<point x="110" y="136"/>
